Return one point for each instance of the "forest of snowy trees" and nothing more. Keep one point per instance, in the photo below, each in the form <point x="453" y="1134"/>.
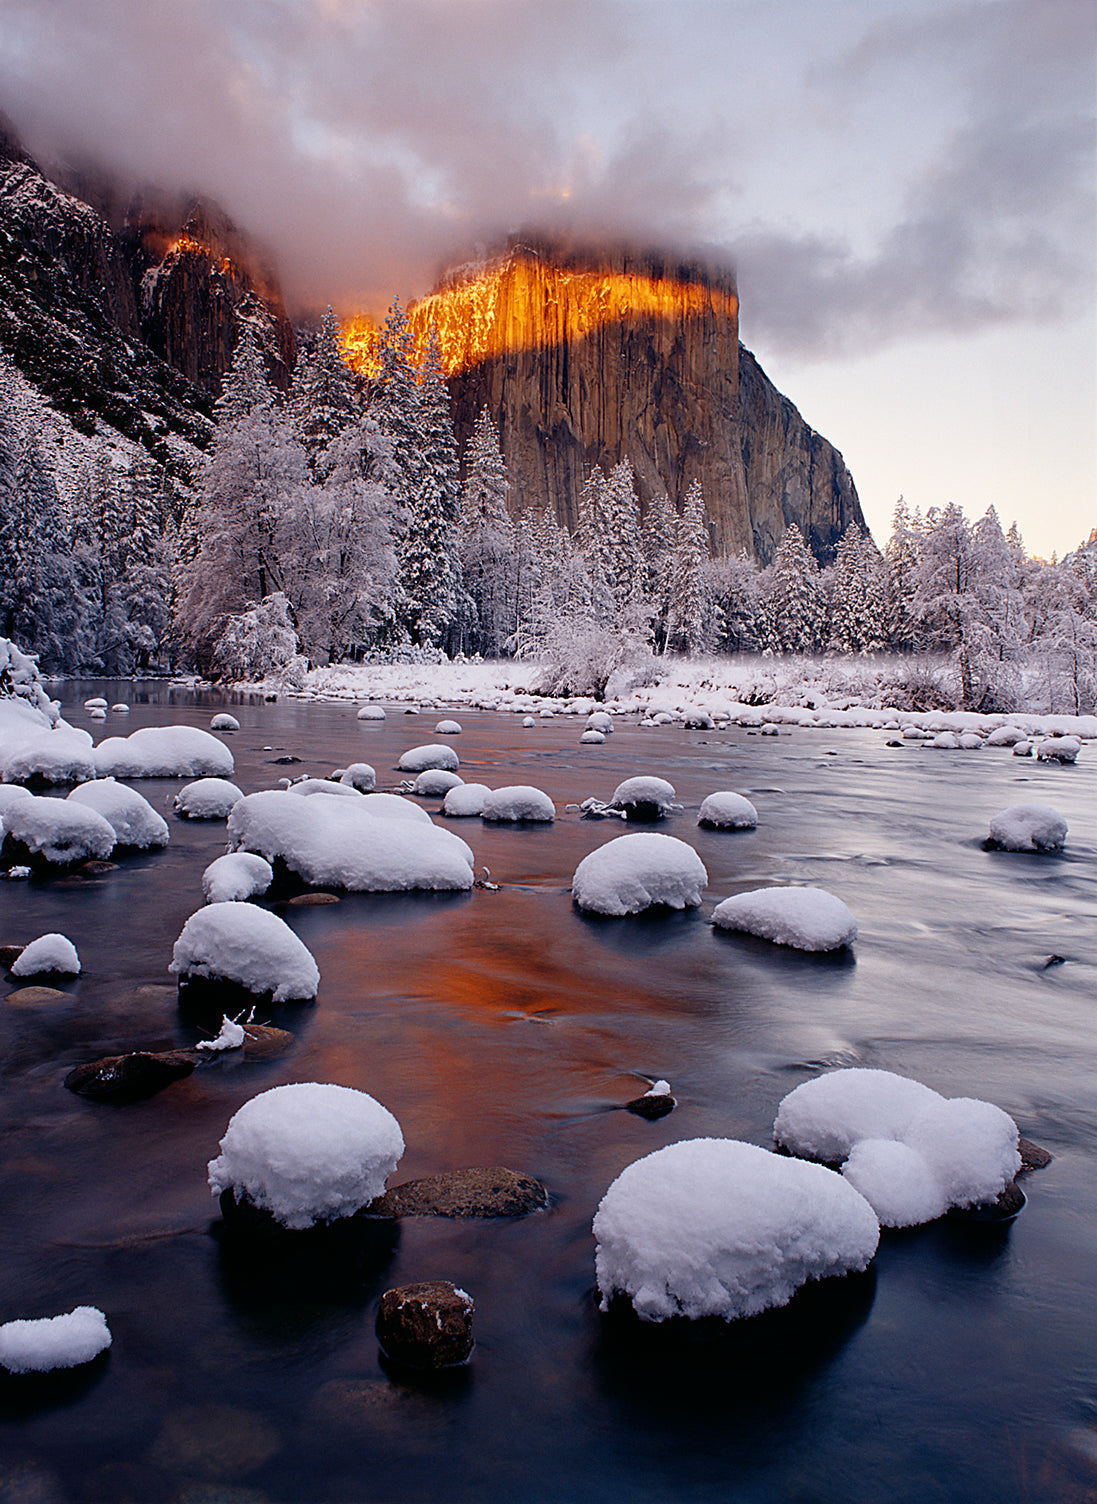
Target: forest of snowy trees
<point x="332" y="523"/>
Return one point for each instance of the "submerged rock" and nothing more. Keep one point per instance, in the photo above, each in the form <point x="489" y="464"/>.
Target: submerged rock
<point x="427" y="1325"/>
<point x="482" y="1191"/>
<point x="652" y="1105"/>
<point x="32" y="997"/>
<point x="129" y="1078"/>
<point x="1033" y="1157"/>
<point x="9" y="954"/>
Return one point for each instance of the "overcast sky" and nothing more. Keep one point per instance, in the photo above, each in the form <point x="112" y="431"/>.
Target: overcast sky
<point x="906" y="187"/>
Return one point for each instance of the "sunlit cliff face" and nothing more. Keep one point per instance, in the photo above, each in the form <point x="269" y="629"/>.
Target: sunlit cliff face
<point x="524" y="303"/>
<point x="184" y="245"/>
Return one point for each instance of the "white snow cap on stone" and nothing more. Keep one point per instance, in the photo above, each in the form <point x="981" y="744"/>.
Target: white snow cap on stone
<point x="434" y="783"/>
<point x="163" y="752"/>
<point x="333" y="842"/>
<point x="236" y="877"/>
<point x="803" y="918"/>
<point x="96" y="702"/>
<point x="592" y="737"/>
<point x="395" y="807"/>
<point x="222" y="721"/>
<point x="1058" y="749"/>
<point x="11" y="793"/>
<point x="633" y="872"/>
<point x="371" y="713"/>
<point x="50" y="952"/>
<point x="716" y="1227"/>
<point x="360" y="776"/>
<point x="308" y="1152"/>
<point x="600" y="720"/>
<point x="727" y="811"/>
<point x="644" y="790"/>
<point x="1006" y="736"/>
<point x="528" y="722"/>
<point x="1028" y="827"/>
<point x="230" y="1037"/>
<point x="518" y="802"/>
<point x="58" y="830"/>
<point x="433" y="755"/>
<point x="54" y="1342"/>
<point x="31" y="745"/>
<point x="448" y="728"/>
<point x="324" y="786"/>
<point x="133" y="818"/>
<point x="911" y="1152"/>
<point x="465" y="799"/>
<point x="237" y="942"/>
<point x="207" y="799"/>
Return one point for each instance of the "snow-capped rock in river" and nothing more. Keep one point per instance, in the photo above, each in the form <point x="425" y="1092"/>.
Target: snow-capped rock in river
<point x="163" y="752"/>
<point x="32" y="745"/>
<point x="635" y="872"/>
<point x="237" y="942"/>
<point x="308" y="1152"/>
<point x="1028" y="827"/>
<point x="49" y="953"/>
<point x="236" y="877"/>
<point x="433" y="755"/>
<point x="803" y="918"/>
<point x="207" y="799"/>
<point x="54" y="1341"/>
<point x="54" y="832"/>
<point x="520" y="803"/>
<point x="135" y="822"/>
<point x="715" y="1227"/>
<point x="727" y="811"/>
<point x="465" y="799"/>
<point x="644" y="798"/>
<point x="339" y="842"/>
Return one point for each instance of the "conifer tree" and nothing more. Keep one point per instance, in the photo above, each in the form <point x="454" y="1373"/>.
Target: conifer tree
<point x="795" y="595"/>
<point x="324" y="399"/>
<point x="487" y="548"/>
<point x="690" y="623"/>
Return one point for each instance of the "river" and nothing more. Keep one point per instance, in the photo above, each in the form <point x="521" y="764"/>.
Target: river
<point x="503" y="1027"/>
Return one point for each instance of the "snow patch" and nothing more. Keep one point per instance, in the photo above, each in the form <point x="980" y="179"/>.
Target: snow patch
<point x="634" y="872"/>
<point x="803" y="918"/>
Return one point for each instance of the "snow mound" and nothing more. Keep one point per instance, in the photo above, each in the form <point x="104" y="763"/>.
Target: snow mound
<point x="716" y="1227"/>
<point x="803" y="918"/>
<point x="163" y="752"/>
<point x="633" y="872"/>
<point x="395" y="807"/>
<point x="1058" y="749"/>
<point x="95" y="703"/>
<point x="518" y="802"/>
<point x="360" y="776"/>
<point x="51" y="952"/>
<point x="1028" y="827"/>
<point x="31" y="746"/>
<point x="57" y="831"/>
<point x="222" y="721"/>
<point x="592" y="737"/>
<point x="308" y="786"/>
<point x="1006" y="736"/>
<point x="946" y="740"/>
<point x="600" y="720"/>
<point x="120" y="709"/>
<point x="236" y="942"/>
<point x="236" y="877"/>
<point x="910" y="1152"/>
<point x="54" y="1342"/>
<point x="332" y="842"/>
<point x="727" y="811"/>
<point x="11" y="793"/>
<point x="207" y="799"/>
<point x="433" y="755"/>
<point x="645" y="797"/>
<point x="465" y="799"/>
<point x="133" y="818"/>
<point x="528" y="722"/>
<point x="308" y="1152"/>
<point x="371" y="713"/>
<point x="448" y="728"/>
<point x="436" y="782"/>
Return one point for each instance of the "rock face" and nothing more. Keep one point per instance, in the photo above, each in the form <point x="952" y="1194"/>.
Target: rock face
<point x="587" y="357"/>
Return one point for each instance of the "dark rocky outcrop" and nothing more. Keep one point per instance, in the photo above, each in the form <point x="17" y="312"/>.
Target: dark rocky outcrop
<point x="122" y="1079"/>
<point x="491" y="1191"/>
<point x="428" y="1325"/>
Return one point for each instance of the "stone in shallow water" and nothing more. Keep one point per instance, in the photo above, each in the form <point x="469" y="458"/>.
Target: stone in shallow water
<point x="652" y="1107"/>
<point x="129" y="1078"/>
<point x="9" y="954"/>
<point x="1033" y="1156"/>
<point x="482" y="1191"/>
<point x="427" y="1325"/>
<point x="215" y="1441"/>
<point x="31" y="997"/>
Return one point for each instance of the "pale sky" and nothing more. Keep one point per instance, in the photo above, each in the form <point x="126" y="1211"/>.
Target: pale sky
<point x="906" y="187"/>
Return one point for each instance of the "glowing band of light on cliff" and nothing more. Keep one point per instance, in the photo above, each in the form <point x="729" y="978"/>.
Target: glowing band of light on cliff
<point x="523" y="306"/>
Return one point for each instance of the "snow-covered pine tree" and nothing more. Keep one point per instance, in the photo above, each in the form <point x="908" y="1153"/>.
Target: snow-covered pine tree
<point x="795" y="594"/>
<point x="487" y="542"/>
<point x="857" y="622"/>
<point x="737" y="590"/>
<point x="1062" y="604"/>
<point x="902" y="556"/>
<point x="944" y="599"/>
<point x="691" y="623"/>
<point x="657" y="538"/>
<point x="324" y="398"/>
<point x="37" y="594"/>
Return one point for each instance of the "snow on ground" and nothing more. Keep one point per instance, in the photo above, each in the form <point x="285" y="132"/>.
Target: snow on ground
<point x="338" y="842"/>
<point x="911" y="1152"/>
<point x="633" y="872"/>
<point x="163" y="752"/>
<point x="803" y="918"/>
<point x="727" y="811"/>
<point x="58" y="831"/>
<point x="519" y="802"/>
<point x="207" y="799"/>
<point x="32" y="747"/>
<point x="52" y="952"/>
<point x="716" y="1227"/>
<point x="237" y="942"/>
<point x="1028" y="827"/>
<point x="135" y="821"/>
<point x="54" y="1342"/>
<point x="236" y="877"/>
<point x="308" y="1152"/>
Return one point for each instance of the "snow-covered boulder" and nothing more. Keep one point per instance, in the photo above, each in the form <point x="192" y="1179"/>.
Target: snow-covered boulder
<point x="54" y="1342"/>
<point x="716" y="1227"/>
<point x="371" y="713"/>
<point x="970" y="741"/>
<point x="803" y="918"/>
<point x="946" y="741"/>
<point x="518" y="802"/>
<point x="1058" y="749"/>
<point x="435" y="783"/>
<point x="635" y="872"/>
<point x="1006" y="736"/>
<point x="10" y="793"/>
<point x="1022" y="749"/>
<point x="133" y="818"/>
<point x="448" y="728"/>
<point x="308" y="1152"/>
<point x="236" y="877"/>
<point x="600" y="720"/>
<point x="1028" y="827"/>
<point x="54" y="832"/>
<point x="644" y="798"/>
<point x="465" y="799"/>
<point x="360" y="776"/>
<point x="96" y="702"/>
<point x="163" y="752"/>
<point x="528" y="722"/>
<point x="592" y="737"/>
<point x="727" y="811"/>
<point x="207" y="799"/>
<point x="306" y="786"/>
<point x="34" y="746"/>
<point x="120" y="709"/>
<point x="433" y="755"/>
<point x="237" y="942"/>
<point x="910" y="1152"/>
<point x="222" y="721"/>
<point x="49" y="953"/>
<point x="396" y="807"/>
<point x="698" y="720"/>
<point x="332" y="842"/>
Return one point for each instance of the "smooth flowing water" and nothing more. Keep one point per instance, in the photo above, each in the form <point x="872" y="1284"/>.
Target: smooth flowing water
<point x="503" y="1027"/>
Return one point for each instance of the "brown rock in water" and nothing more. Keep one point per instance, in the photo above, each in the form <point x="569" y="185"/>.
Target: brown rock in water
<point x="264" y="1042"/>
<point x="1003" y="1208"/>
<point x="652" y="1107"/>
<point x="214" y="1441"/>
<point x="1033" y="1157"/>
<point x="129" y="1078"/>
<point x="427" y="1325"/>
<point x="9" y="954"/>
<point x="489" y="1191"/>
<point x="311" y="900"/>
<point x="36" y="997"/>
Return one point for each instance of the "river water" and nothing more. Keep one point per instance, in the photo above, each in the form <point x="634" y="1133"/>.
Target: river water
<point x="505" y="1028"/>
